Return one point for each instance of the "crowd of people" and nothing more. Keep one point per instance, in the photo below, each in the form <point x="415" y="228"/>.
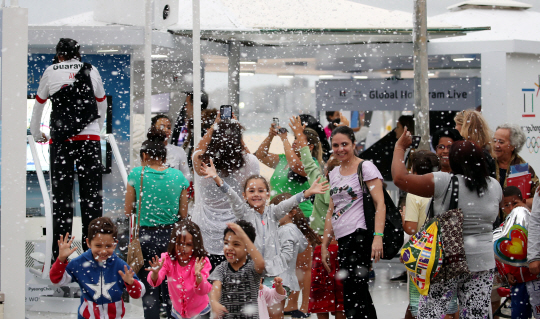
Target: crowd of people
<point x="251" y="247"/>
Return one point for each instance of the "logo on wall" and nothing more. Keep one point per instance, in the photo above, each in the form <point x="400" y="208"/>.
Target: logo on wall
<point x="533" y="144"/>
<point x="528" y="99"/>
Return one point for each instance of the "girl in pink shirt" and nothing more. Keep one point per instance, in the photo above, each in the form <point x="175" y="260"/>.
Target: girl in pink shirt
<point x="187" y="269"/>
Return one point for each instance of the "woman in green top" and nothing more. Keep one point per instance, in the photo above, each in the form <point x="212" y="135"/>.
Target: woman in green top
<point x="290" y="177"/>
<point x="163" y="200"/>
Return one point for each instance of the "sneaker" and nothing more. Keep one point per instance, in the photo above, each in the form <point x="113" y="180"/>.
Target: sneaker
<point x="297" y="314"/>
<point x="400" y="278"/>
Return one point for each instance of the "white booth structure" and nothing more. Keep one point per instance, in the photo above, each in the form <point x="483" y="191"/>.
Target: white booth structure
<point x="352" y="49"/>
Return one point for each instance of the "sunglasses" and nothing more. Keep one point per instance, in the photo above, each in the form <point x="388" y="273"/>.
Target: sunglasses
<point x="443" y="147"/>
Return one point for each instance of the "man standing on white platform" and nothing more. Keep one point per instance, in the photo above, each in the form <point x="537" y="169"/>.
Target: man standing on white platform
<point x="78" y="111"/>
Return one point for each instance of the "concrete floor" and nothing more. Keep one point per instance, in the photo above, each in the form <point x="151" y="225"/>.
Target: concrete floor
<point x="390" y="298"/>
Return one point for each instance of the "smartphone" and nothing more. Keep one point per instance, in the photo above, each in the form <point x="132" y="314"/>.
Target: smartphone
<point x="275" y="120"/>
<point x="225" y="112"/>
<point x="415" y="141"/>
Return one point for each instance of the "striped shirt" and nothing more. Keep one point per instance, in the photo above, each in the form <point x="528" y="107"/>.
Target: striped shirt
<point x="239" y="290"/>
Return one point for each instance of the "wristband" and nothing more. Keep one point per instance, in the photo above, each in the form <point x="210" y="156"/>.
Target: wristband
<point x="378" y="234"/>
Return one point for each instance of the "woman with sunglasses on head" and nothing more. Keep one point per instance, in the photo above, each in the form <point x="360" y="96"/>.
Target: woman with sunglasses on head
<point x="474" y="127"/>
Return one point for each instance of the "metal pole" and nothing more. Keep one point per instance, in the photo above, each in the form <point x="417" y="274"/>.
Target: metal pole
<point x="196" y="81"/>
<point x="421" y="87"/>
<point x="234" y="76"/>
<point x="148" y="66"/>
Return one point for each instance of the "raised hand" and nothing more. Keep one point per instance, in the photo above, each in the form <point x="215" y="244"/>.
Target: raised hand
<point x="155" y="265"/>
<point x="405" y="140"/>
<point x="127" y="275"/>
<point x="237" y="230"/>
<point x="296" y="126"/>
<point x="208" y="171"/>
<point x="317" y="188"/>
<point x="199" y="265"/>
<point x="273" y="130"/>
<point x="64" y="247"/>
<point x="278" y="282"/>
<point x="278" y="285"/>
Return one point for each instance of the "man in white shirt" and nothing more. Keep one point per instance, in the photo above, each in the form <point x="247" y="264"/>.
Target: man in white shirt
<point x="78" y="151"/>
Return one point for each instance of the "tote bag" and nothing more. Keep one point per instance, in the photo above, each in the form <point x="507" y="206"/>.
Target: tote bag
<point x="135" y="257"/>
<point x="393" y="228"/>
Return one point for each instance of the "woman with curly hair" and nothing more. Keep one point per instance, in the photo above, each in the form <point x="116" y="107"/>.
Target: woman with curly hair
<point x="223" y="143"/>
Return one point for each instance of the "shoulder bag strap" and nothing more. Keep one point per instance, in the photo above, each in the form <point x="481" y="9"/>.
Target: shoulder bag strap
<point x="453" y="188"/>
<point x="138" y="224"/>
<point x="455" y="192"/>
<point x="361" y="177"/>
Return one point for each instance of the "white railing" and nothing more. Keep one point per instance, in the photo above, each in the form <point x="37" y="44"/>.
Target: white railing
<point x="48" y="207"/>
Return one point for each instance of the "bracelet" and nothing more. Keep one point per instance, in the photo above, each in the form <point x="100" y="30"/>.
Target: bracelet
<point x="378" y="234"/>
<point x="214" y="177"/>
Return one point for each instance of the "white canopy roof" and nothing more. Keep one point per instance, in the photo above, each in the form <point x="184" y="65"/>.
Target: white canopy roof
<point x="303" y="21"/>
<point x="513" y="23"/>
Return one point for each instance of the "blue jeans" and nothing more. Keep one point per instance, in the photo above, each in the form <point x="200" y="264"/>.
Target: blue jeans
<point x="205" y="314"/>
<point x="154" y="242"/>
<point x="521" y="308"/>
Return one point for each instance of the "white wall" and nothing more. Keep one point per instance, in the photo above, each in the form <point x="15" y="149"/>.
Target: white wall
<point x="523" y="72"/>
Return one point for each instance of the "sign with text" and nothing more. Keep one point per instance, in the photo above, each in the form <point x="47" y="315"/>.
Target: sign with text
<point x="453" y="94"/>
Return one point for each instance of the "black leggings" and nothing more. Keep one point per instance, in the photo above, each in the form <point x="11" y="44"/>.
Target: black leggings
<point x="354" y="255"/>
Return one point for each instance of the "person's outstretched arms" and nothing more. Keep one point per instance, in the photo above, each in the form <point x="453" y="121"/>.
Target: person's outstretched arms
<point x="134" y="286"/>
<point x="239" y="206"/>
<point x="58" y="273"/>
<point x="295" y="164"/>
<point x="421" y="185"/>
<point x="218" y="310"/>
<point x="202" y="272"/>
<point x="287" y="205"/>
<point x="312" y="170"/>
<point x="263" y="154"/>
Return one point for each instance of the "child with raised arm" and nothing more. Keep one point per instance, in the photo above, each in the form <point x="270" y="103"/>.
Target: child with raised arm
<point x="525" y="296"/>
<point x="101" y="274"/>
<point x="270" y="296"/>
<point x="294" y="236"/>
<point x="187" y="267"/>
<point x="236" y="281"/>
<point x="264" y="218"/>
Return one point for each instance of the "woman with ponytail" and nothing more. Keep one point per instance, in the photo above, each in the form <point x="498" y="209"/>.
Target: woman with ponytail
<point x="163" y="197"/>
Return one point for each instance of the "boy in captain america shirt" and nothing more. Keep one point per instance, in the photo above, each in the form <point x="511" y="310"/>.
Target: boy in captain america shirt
<point x="101" y="274"/>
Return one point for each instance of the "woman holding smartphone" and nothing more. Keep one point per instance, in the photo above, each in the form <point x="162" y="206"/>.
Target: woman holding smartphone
<point x="223" y="143"/>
